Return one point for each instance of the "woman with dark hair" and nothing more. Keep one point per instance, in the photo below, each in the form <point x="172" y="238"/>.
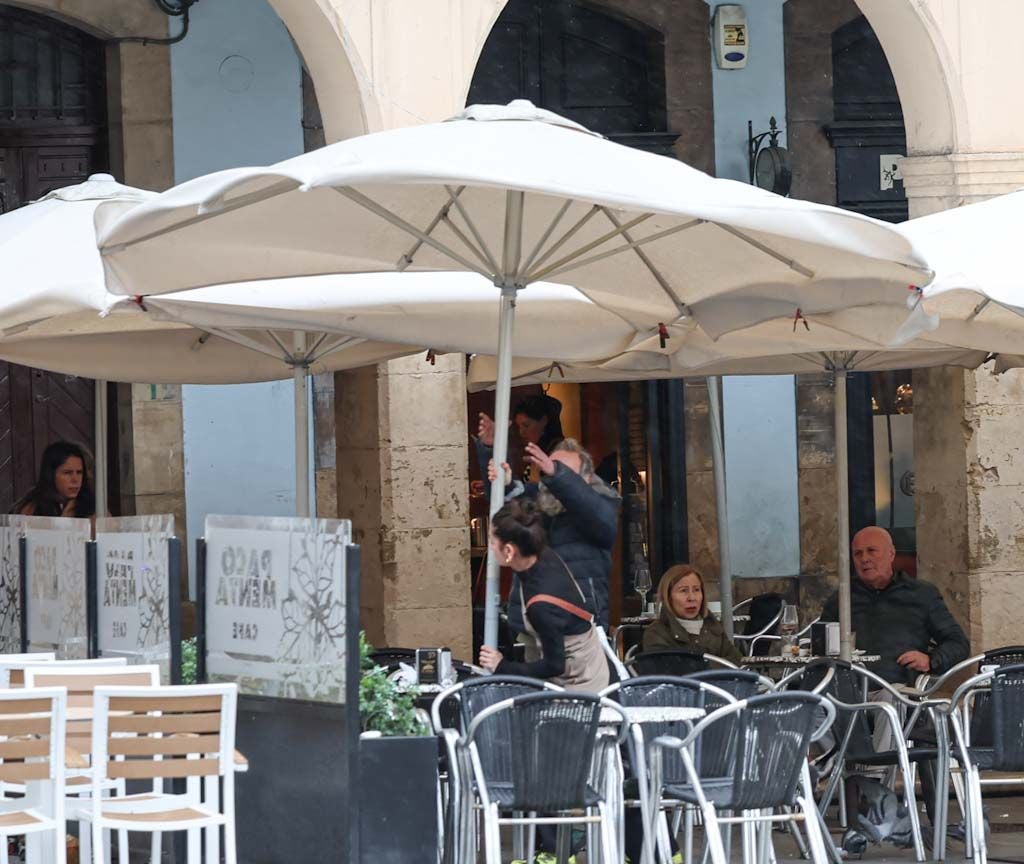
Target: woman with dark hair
<point x="538" y="421"/>
<point x="63" y="487"/>
<point x="684" y="620"/>
<point x="562" y="642"/>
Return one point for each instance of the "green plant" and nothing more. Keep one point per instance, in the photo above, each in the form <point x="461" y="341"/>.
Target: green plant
<point x="384" y="706"/>
<point x="188" y="661"/>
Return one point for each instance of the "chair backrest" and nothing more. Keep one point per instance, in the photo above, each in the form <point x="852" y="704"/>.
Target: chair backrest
<point x="81" y="682"/>
<point x="738" y="683"/>
<point x="552" y="744"/>
<point x="765" y="610"/>
<point x="1007" y="703"/>
<point x="32" y="735"/>
<point x="981" y="709"/>
<point x="494" y="736"/>
<point x="666" y="691"/>
<point x="12" y="672"/>
<point x="677" y="662"/>
<point x="771" y="737"/>
<point x="150" y="733"/>
<point x="848" y="687"/>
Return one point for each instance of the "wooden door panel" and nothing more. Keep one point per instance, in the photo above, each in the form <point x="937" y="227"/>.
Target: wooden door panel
<point x="6" y="442"/>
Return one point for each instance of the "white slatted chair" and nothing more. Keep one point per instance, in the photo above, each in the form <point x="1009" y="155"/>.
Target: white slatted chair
<point x="13" y="666"/>
<point x="32" y="754"/>
<point x="81" y="680"/>
<point x="161" y="733"/>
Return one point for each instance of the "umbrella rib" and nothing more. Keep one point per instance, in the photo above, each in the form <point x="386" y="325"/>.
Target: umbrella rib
<point x="761" y="247"/>
<point x="207" y="212"/>
<point x="544" y="237"/>
<point x="245" y="342"/>
<point x="977" y="310"/>
<point x="472" y="227"/>
<point x="406" y="259"/>
<point x="568" y="235"/>
<point x="312" y="349"/>
<point x="335" y="346"/>
<point x="570" y="263"/>
<point x="399" y="222"/>
<point x="642" y="255"/>
<point x="559" y="265"/>
<point x="446" y="219"/>
<point x="280" y="343"/>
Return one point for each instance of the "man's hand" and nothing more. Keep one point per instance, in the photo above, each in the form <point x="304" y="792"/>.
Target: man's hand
<point x="485" y="430"/>
<point x="536" y="456"/>
<point x="492" y="474"/>
<point x="490" y="658"/>
<point x="916" y="660"/>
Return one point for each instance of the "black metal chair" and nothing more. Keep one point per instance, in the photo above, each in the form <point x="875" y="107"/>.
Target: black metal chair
<point x="550" y="750"/>
<point x="764" y="770"/>
<point x="765" y="610"/>
<point x="1004" y="749"/>
<point x="661" y="691"/>
<point x="451" y="715"/>
<point x="847" y="688"/>
<point x="675" y="662"/>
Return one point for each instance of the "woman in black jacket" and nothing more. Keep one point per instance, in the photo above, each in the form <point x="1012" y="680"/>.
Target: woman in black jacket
<point x="563" y="646"/>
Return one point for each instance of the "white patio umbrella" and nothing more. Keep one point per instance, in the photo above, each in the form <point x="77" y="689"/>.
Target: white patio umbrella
<point x="50" y="318"/>
<point x="518" y="195"/>
<point x="978" y="291"/>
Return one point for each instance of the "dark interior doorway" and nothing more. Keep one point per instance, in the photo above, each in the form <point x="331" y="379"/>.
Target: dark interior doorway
<point x="52" y="134"/>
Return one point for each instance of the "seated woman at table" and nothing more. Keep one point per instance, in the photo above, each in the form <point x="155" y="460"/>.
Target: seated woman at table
<point x="64" y="487"/>
<point x="562" y="642"/>
<point x="684" y="621"/>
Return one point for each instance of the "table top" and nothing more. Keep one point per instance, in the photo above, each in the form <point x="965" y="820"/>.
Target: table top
<point x="652" y="714"/>
<point x="791" y="660"/>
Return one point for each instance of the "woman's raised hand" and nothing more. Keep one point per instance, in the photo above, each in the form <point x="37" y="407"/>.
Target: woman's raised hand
<point x="490" y="658"/>
<point x="492" y="475"/>
<point x="536" y="456"/>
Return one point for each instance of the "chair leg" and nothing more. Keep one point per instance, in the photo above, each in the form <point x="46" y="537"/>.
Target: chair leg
<point x="609" y="843"/>
<point x="96" y="829"/>
<point x="910" y="800"/>
<point x="712" y="830"/>
<point x="688" y="845"/>
<point x="517" y="837"/>
<point x="811" y="824"/>
<point x="749" y="841"/>
<point x="980" y="843"/>
<point x="764" y="839"/>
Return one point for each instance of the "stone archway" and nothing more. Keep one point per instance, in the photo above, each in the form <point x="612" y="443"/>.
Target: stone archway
<point x="344" y="90"/>
<point x="933" y="103"/>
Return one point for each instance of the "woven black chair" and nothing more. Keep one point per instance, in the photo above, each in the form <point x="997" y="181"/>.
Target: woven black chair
<point x="660" y="691"/>
<point x="550" y="750"/>
<point x="675" y="662"/>
<point x="765" y="611"/>
<point x="1005" y="711"/>
<point x="451" y="714"/>
<point x="765" y="769"/>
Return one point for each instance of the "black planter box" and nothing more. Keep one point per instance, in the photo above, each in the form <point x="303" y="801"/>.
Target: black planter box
<point x="397" y="800"/>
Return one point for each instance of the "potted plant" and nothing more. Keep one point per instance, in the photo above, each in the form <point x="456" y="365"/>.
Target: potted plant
<point x="397" y="770"/>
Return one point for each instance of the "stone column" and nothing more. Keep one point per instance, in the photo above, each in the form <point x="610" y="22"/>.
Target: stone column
<point x="402" y="480"/>
<point x="968" y="450"/>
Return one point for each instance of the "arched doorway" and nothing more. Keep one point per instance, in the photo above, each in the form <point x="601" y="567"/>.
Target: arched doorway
<point x="52" y="134"/>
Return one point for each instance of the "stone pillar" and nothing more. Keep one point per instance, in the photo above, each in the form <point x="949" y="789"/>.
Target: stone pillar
<point x="702" y="517"/>
<point x="402" y="480"/>
<point x="968" y="451"/>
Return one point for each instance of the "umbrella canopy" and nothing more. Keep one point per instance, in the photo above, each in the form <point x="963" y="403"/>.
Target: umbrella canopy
<point x="978" y="292"/>
<point x="519" y="195"/>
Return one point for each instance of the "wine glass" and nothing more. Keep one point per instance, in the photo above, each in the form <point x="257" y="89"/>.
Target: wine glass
<point x="642" y="583"/>
<point x="789" y="623"/>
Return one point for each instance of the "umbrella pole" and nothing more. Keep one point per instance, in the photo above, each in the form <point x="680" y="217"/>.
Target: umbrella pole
<point x="843" y="515"/>
<point x="299" y="374"/>
<point x="502" y="396"/>
<point x="721" y="506"/>
<point x="100" y="447"/>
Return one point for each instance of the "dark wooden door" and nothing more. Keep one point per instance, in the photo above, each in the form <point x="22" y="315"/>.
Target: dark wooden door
<point x="52" y="134"/>
<point x="582" y="61"/>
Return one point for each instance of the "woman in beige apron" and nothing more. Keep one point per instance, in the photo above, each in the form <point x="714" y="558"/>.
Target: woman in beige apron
<point x="562" y="642"/>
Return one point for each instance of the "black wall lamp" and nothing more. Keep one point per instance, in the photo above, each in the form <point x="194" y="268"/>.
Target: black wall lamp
<point x="769" y="163"/>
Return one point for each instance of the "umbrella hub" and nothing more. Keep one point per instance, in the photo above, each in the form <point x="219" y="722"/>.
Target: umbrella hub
<point x="520" y="109"/>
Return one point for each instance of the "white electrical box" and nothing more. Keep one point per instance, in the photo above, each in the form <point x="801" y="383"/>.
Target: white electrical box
<point x="731" y="37"/>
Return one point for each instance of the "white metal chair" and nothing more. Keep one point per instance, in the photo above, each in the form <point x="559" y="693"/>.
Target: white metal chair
<point x="160" y="733"/>
<point x="32" y="754"/>
<point x="81" y="679"/>
<point x="13" y="666"/>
